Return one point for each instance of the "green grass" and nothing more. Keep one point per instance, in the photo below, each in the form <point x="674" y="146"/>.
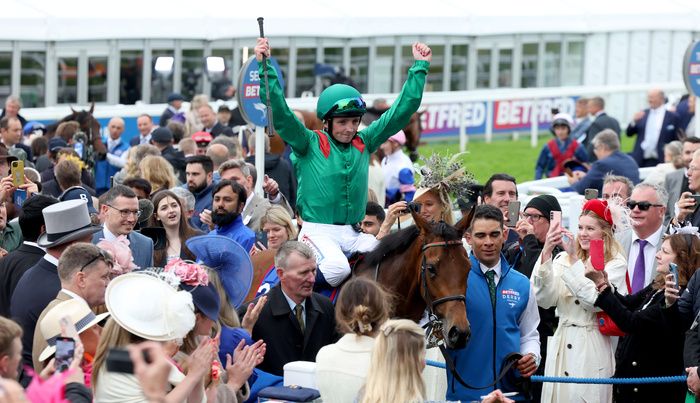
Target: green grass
<point x="516" y="158"/>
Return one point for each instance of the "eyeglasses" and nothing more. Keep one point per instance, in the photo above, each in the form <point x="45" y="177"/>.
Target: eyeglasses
<point x="693" y="168"/>
<point x="643" y="206"/>
<point x="103" y="255"/>
<point x="347" y="105"/>
<point x="125" y="213"/>
<point x="533" y="217"/>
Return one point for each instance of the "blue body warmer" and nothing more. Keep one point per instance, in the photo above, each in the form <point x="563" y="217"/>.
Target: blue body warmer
<point x="495" y="331"/>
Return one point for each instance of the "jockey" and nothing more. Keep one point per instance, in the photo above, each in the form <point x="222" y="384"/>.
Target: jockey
<point x="560" y="149"/>
<point x="332" y="164"/>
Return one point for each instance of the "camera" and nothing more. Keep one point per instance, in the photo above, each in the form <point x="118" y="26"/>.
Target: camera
<point x="413" y="206"/>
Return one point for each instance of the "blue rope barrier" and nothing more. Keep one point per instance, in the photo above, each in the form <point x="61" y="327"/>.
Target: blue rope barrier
<point x="601" y="381"/>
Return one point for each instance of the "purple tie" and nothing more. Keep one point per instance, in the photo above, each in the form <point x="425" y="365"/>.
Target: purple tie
<point x="639" y="270"/>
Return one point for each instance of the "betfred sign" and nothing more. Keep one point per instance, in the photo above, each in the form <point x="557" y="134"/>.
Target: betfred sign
<point x="252" y="108"/>
<point x="691" y="68"/>
<point x="508" y="115"/>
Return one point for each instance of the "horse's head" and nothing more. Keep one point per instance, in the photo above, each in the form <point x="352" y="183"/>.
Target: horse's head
<point x="444" y="270"/>
<point x="88" y="124"/>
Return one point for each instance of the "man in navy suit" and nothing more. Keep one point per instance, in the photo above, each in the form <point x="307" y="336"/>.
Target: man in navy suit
<point x="601" y="121"/>
<point x="144" y="123"/>
<point x="655" y="127"/>
<point x="606" y="146"/>
<point x="120" y="212"/>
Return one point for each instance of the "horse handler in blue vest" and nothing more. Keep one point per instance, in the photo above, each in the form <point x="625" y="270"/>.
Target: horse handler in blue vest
<point x="332" y="164"/>
<point x="502" y="311"/>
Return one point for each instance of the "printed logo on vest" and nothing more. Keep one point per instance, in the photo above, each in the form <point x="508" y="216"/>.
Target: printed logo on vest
<point x="317" y="252"/>
<point x="511" y="297"/>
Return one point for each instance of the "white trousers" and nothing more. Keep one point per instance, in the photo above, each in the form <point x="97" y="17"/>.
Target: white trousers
<point x="332" y="244"/>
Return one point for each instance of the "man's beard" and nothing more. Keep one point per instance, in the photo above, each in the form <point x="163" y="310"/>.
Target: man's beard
<point x="197" y="188"/>
<point x="224" y="219"/>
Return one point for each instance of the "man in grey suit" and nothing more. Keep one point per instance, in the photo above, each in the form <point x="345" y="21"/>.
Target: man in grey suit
<point x="255" y="205"/>
<point x="120" y="212"/>
<point x="676" y="182"/>
<point x="640" y="244"/>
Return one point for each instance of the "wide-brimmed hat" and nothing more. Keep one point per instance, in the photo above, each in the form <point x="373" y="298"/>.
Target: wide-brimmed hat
<point x="229" y="260"/>
<point x="148" y="304"/>
<point x="66" y="221"/>
<point x="77" y="311"/>
<point x="5" y="155"/>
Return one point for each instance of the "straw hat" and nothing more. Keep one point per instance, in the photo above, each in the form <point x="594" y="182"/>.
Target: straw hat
<point x="149" y="305"/>
<point x="77" y="311"/>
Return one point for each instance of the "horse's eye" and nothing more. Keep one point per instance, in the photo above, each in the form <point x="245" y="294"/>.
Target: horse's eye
<point x="432" y="270"/>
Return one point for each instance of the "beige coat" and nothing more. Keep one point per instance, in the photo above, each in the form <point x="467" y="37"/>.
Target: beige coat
<point x="341" y="368"/>
<point x="39" y="341"/>
<point x="577" y="349"/>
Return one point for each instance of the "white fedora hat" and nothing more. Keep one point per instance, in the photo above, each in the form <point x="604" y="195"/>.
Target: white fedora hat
<point x="78" y="312"/>
<point x="66" y="221"/>
<point x="149" y="305"/>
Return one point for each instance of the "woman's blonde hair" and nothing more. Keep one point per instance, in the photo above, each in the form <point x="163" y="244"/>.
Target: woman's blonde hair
<point x="135" y="156"/>
<point x="612" y="247"/>
<point x="279" y="215"/>
<point x="112" y="336"/>
<point x="158" y="172"/>
<point x="397" y="362"/>
<point x="362" y="307"/>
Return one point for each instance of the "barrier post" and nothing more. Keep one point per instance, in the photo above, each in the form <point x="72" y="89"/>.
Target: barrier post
<point x="463" y="138"/>
<point x="534" y="126"/>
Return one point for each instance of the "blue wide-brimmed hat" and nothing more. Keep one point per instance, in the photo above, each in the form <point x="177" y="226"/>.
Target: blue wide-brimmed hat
<point x="230" y="261"/>
<point x="205" y="299"/>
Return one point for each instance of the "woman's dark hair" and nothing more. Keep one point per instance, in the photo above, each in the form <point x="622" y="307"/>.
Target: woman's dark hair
<point x="687" y="250"/>
<point x="184" y="229"/>
<point x="40" y="146"/>
<point x="362" y="307"/>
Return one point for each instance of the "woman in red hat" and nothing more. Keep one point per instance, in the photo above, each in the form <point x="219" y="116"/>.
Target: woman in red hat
<point x="578" y="348"/>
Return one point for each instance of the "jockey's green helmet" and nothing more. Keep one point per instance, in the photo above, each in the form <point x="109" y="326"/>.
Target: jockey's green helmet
<point x="340" y="100"/>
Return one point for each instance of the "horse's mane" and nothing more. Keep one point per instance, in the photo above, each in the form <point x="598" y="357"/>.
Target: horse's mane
<point x="398" y="242"/>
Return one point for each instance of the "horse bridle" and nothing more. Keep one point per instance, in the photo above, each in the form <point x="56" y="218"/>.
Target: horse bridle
<point x="433" y="329"/>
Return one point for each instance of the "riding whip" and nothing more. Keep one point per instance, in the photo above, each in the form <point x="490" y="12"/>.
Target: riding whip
<point x="268" y="109"/>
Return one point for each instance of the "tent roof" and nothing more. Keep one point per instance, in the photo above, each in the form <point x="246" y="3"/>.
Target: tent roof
<point x="49" y="20"/>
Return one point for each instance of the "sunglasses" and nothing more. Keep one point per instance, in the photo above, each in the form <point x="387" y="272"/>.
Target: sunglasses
<point x="347" y="105"/>
<point x="643" y="206"/>
<point x="103" y="255"/>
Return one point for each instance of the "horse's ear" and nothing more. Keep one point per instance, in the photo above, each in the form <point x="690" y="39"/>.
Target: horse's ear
<point x="73" y="111"/>
<point x="92" y="107"/>
<point x="420" y="222"/>
<point x="466" y="221"/>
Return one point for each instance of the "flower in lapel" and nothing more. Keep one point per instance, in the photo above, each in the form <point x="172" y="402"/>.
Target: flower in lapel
<point x="123" y="262"/>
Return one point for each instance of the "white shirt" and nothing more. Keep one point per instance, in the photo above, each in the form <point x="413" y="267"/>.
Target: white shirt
<point x="528" y="321"/>
<point x="108" y="235"/>
<point x="113" y="159"/>
<point x="73" y="295"/>
<point x="652" y="131"/>
<point x="649" y="255"/>
<point x="391" y="166"/>
<point x="34" y="244"/>
<point x="51" y="259"/>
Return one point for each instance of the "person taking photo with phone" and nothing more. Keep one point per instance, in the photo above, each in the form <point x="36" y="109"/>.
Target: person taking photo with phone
<point x="641" y="317"/>
<point x="687" y="205"/>
<point x="578" y="348"/>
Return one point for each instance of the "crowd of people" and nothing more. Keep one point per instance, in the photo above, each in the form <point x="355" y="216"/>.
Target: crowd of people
<point x="141" y="258"/>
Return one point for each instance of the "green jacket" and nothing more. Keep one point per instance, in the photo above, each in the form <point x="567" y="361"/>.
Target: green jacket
<point x="332" y="177"/>
<point x="11" y="236"/>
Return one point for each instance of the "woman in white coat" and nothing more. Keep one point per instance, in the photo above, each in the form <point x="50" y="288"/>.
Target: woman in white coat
<point x="578" y="349"/>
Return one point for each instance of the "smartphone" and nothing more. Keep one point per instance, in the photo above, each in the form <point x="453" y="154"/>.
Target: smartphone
<point x="261" y="238"/>
<point x="696" y="198"/>
<point x="65" y="348"/>
<point x="19" y="197"/>
<point x="17" y="172"/>
<point x="591" y="194"/>
<point x="673" y="268"/>
<point x="597" y="250"/>
<point x="513" y="213"/>
<point x="555" y="219"/>
<point x="118" y="360"/>
<point x="78" y="147"/>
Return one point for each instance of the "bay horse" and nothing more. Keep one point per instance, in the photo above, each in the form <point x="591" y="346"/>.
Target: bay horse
<point x="426" y="267"/>
<point x="88" y="125"/>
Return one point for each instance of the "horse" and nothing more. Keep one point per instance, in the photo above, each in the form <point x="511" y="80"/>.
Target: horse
<point x="426" y="267"/>
<point x="88" y="125"/>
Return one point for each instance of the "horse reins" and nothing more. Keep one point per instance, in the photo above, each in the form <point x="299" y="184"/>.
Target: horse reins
<point x="433" y="329"/>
